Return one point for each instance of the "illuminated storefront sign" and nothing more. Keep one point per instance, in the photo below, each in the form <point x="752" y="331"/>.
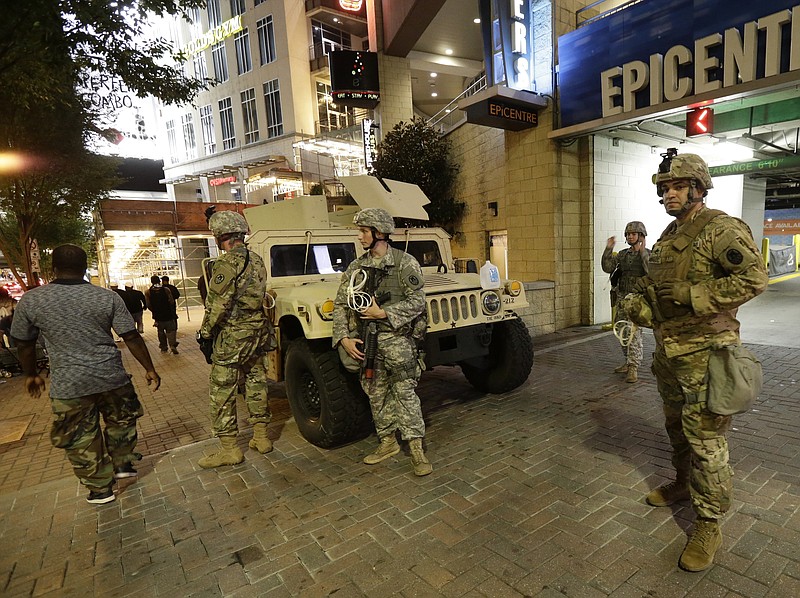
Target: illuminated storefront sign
<point x="507" y="42"/>
<point x="213" y="36"/>
<point x="653" y="53"/>
<point x="370" y="141"/>
<point x="354" y="78"/>
<point x="352" y="5"/>
<point x="222" y="181"/>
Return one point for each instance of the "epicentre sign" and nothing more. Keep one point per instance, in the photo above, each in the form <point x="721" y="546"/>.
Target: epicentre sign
<point x="213" y="36"/>
<point x="654" y="53"/>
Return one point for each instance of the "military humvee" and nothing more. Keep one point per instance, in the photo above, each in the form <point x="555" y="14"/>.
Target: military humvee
<point x="306" y="249"/>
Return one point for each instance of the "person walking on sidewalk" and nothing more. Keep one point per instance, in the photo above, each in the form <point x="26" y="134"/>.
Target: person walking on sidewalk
<point x="161" y="304"/>
<point x="87" y="378"/>
<point x="395" y="307"/>
<point x="627" y="266"/>
<point x="703" y="267"/>
<point x="136" y="303"/>
<point x="236" y="327"/>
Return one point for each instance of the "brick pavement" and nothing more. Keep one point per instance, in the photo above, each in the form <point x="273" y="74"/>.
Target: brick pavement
<point x="535" y="492"/>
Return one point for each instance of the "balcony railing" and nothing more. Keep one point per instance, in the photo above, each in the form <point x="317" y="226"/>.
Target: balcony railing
<point x="450" y="116"/>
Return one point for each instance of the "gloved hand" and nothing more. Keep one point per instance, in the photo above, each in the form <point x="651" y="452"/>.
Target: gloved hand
<point x="206" y="346"/>
<point x="640" y="285"/>
<point x="679" y="292"/>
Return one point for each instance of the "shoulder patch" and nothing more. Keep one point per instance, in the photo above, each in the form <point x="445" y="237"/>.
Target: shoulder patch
<point x="413" y="280"/>
<point x="221" y="277"/>
<point x="734" y="256"/>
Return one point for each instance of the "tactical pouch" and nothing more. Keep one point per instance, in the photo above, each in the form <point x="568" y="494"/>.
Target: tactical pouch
<point x="351" y="365"/>
<point x="734" y="380"/>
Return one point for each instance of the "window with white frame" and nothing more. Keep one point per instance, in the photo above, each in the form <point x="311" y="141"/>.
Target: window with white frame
<point x="249" y="115"/>
<point x="241" y="42"/>
<point x="220" y="61"/>
<point x="214" y="14"/>
<point x="189" y="140"/>
<point x="207" y="129"/>
<point x="237" y="7"/>
<point x="272" y="100"/>
<point x="226" y="120"/>
<point x="194" y="19"/>
<point x="200" y="68"/>
<point x="266" y="40"/>
<point x="172" y="140"/>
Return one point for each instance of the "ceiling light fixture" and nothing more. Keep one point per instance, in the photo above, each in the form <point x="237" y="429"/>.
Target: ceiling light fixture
<point x="449" y="52"/>
<point x="434" y="75"/>
<point x="476" y="21"/>
<point x="434" y="95"/>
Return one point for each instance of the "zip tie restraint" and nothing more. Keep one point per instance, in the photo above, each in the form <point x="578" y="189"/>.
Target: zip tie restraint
<point x="624" y="331"/>
<point x="357" y="299"/>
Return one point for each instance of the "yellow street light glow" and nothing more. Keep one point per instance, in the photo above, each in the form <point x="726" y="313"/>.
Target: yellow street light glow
<point x="11" y="162"/>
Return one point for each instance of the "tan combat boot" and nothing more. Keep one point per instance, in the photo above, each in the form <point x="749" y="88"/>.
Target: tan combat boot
<point x="418" y="459"/>
<point x="669" y="494"/>
<point x="228" y="454"/>
<point x="621" y="369"/>
<point x="632" y="375"/>
<point x="706" y="540"/>
<point x="260" y="441"/>
<point x="387" y="448"/>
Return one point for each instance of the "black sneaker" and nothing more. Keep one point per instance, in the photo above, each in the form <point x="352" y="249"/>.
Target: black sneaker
<point x="125" y="471"/>
<point x="101" y="497"/>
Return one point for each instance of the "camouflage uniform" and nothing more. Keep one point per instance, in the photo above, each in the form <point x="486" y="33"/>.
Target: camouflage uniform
<point x="632" y="265"/>
<point x="394" y="402"/>
<point x="717" y="256"/>
<point x="235" y="317"/>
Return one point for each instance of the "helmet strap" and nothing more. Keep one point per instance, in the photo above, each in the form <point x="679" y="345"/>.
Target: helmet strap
<point x="376" y="240"/>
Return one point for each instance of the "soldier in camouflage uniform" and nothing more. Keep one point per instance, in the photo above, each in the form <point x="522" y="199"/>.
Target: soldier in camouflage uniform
<point x="235" y="320"/>
<point x="704" y="266"/>
<point x="396" y="278"/>
<point x="631" y="264"/>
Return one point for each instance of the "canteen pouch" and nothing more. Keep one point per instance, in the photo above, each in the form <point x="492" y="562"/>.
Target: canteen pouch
<point x="734" y="380"/>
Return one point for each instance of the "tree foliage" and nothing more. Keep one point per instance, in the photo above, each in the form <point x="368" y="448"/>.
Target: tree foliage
<point x="413" y="152"/>
<point x="46" y="48"/>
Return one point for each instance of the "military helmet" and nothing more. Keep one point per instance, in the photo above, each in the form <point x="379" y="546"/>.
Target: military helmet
<point x="635" y="227"/>
<point x="683" y="166"/>
<point x="223" y="223"/>
<point x="376" y="218"/>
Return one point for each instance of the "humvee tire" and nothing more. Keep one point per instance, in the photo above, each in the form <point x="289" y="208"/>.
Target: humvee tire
<point x="329" y="406"/>
<point x="508" y="363"/>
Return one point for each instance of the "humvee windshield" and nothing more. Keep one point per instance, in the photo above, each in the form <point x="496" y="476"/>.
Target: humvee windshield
<point x="426" y="252"/>
<point x="327" y="258"/>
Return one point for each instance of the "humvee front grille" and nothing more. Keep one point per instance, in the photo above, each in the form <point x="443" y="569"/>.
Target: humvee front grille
<point x="450" y="309"/>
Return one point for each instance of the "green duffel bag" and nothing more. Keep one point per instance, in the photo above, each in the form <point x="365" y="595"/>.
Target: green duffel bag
<point x="734" y="380"/>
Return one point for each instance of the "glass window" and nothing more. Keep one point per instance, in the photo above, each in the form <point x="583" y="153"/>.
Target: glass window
<point x="226" y="120"/>
<point x="326" y="38"/>
<point x="194" y="19"/>
<point x="189" y="141"/>
<point x="220" y="61"/>
<point x="334" y="116"/>
<point x="249" y="115"/>
<point x="425" y="252"/>
<point x="172" y="140"/>
<point x="272" y="100"/>
<point x="290" y="260"/>
<point x="257" y="2"/>
<point x="214" y="14"/>
<point x="200" y="69"/>
<point x="207" y="128"/>
<point x="266" y="39"/>
<point x="241" y="42"/>
<point x="237" y="7"/>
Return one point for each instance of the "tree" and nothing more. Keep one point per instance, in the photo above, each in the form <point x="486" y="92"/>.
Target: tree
<point x="46" y="48"/>
<point x="413" y="152"/>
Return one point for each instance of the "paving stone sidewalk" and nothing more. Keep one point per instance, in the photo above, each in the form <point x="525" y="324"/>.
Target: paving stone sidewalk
<point x="538" y="492"/>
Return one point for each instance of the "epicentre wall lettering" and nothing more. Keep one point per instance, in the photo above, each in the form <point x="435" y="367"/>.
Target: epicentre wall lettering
<point x="213" y="36"/>
<point x="659" y="77"/>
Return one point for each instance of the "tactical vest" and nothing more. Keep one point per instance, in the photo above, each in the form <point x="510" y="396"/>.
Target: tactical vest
<point x="672" y="258"/>
<point x="632" y="267"/>
<point x="390" y="281"/>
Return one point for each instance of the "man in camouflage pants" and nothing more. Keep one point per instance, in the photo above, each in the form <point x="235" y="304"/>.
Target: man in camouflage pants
<point x="630" y="264"/>
<point x="236" y="324"/>
<point x="400" y="319"/>
<point x="704" y="266"/>
<point x="87" y="378"/>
